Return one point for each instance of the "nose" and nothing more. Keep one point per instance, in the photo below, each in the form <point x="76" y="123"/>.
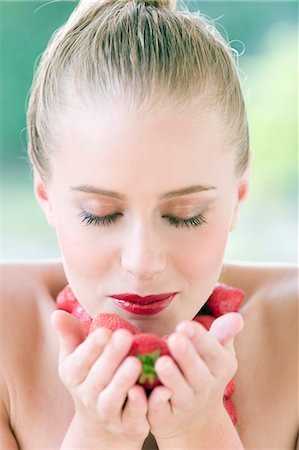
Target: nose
<point x="142" y="254"/>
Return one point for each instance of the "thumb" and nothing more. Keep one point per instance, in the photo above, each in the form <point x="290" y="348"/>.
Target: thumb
<point x="70" y="330"/>
<point x="225" y="328"/>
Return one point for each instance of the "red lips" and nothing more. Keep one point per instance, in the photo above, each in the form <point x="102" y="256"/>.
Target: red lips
<point x="133" y="298"/>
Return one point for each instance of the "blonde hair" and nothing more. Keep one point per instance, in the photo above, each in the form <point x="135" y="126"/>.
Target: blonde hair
<point x="144" y="52"/>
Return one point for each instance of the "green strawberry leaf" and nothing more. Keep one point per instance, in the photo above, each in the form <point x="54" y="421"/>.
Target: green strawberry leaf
<point x="148" y="366"/>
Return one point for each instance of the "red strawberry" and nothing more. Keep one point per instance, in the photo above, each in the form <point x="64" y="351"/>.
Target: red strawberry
<point x="113" y="322"/>
<point x="84" y="317"/>
<point x="66" y="300"/>
<point x="231" y="409"/>
<point x="205" y="320"/>
<point x="230" y="389"/>
<point x="147" y="347"/>
<point x="225" y="299"/>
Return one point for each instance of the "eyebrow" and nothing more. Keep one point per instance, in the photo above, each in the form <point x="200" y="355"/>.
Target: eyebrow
<point x="178" y="193"/>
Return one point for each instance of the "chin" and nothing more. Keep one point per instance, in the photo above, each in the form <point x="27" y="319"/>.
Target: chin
<point x="155" y="325"/>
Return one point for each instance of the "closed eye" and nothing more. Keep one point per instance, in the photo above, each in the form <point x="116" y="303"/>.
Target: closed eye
<point x="189" y="222"/>
<point x="178" y="222"/>
<point x="91" y="219"/>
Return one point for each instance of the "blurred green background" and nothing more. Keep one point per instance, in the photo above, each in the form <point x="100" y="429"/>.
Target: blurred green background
<point x="265" y="33"/>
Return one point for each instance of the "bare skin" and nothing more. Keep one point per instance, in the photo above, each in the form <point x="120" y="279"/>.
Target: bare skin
<point x="36" y="409"/>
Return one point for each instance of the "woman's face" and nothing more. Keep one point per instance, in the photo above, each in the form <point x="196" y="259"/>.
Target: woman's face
<point x="141" y="204"/>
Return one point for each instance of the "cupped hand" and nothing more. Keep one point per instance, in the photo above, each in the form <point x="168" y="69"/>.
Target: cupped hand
<point x="102" y="379"/>
<point x="194" y="379"/>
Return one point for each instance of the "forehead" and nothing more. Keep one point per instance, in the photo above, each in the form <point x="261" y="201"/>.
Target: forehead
<point x="157" y="144"/>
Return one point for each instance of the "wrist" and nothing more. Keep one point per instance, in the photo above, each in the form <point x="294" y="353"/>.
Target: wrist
<point x="216" y="432"/>
<point x="83" y="434"/>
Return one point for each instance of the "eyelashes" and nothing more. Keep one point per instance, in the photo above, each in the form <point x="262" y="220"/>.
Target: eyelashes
<point x="190" y="222"/>
<point x="91" y="219"/>
<point x="178" y="222"/>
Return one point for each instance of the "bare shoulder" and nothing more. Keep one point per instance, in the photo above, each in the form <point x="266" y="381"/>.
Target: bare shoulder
<point x="24" y="284"/>
<point x="27" y="297"/>
<point x="272" y="280"/>
<point x="27" y="293"/>
<point x="268" y="342"/>
<point x="271" y="293"/>
<point x="19" y="278"/>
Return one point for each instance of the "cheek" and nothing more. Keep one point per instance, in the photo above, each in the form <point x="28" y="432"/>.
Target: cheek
<point x="200" y="256"/>
<point x="199" y="261"/>
<point x="86" y="251"/>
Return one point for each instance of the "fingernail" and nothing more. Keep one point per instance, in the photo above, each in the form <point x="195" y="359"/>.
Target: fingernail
<point x="186" y="328"/>
<point x="101" y="335"/>
<point x="190" y="332"/>
<point x="129" y="363"/>
<point x="165" y="366"/>
<point x="121" y="340"/>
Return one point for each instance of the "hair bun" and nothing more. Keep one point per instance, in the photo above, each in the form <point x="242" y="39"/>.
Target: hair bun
<point x="169" y="4"/>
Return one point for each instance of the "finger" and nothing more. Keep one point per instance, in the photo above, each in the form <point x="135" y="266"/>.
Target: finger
<point x="106" y="365"/>
<point x="112" y="398"/>
<point x="135" y="411"/>
<point x="70" y="330"/>
<point x="225" y="328"/>
<point x="173" y="379"/>
<point x="219" y="360"/>
<point x="195" y="370"/>
<point x="158" y="404"/>
<point x="75" y="368"/>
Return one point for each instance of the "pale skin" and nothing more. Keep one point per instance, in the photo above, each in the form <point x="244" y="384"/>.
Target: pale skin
<point x="76" y="387"/>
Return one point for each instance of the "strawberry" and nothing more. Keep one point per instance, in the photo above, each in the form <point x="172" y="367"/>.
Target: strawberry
<point x="66" y="300"/>
<point x="113" y="322"/>
<point x="225" y="299"/>
<point x="230" y="389"/>
<point x="147" y="347"/>
<point x="230" y="408"/>
<point x="84" y="317"/>
<point x="205" y="320"/>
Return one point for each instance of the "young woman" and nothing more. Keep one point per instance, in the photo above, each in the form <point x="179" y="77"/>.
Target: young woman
<point x="139" y="143"/>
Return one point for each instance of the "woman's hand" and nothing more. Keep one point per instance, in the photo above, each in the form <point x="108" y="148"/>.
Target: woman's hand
<point x="102" y="381"/>
<point x="193" y="385"/>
